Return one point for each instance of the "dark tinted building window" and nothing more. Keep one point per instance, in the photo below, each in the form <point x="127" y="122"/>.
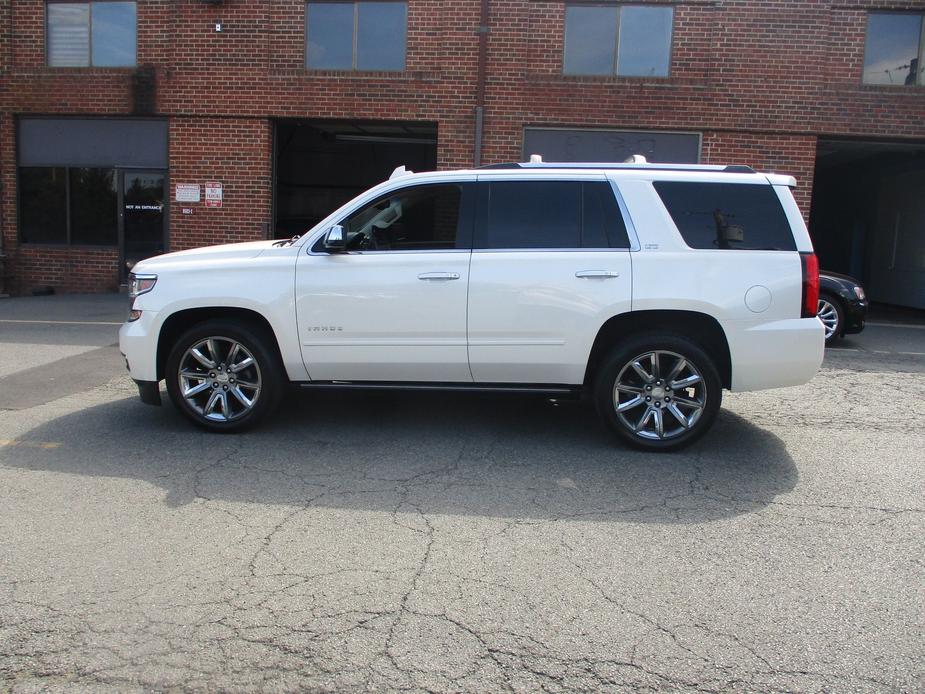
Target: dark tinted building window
<point x="93" y="207"/>
<point x="427" y="217"/>
<point x="43" y="204"/>
<point x="550" y="214"/>
<point x="727" y="215"/>
<point x="356" y="35"/>
<point x="68" y="205"/>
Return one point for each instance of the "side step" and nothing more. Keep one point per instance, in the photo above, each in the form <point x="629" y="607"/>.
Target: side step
<point x="538" y="389"/>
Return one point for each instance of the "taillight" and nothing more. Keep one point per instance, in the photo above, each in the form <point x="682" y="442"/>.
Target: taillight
<point x="810" y="265"/>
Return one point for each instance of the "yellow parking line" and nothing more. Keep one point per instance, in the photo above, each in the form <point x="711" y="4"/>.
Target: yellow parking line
<point x="29" y="444"/>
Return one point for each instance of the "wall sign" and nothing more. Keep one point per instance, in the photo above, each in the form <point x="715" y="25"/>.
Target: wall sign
<point x="187" y="192"/>
<point x="213" y="194"/>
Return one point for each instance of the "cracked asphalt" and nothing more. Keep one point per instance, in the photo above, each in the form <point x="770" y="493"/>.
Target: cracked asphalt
<point x="428" y="542"/>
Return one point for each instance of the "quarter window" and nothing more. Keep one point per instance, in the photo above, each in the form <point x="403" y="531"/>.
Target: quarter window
<point x="550" y="214"/>
<point x="895" y="49"/>
<point x="628" y="40"/>
<point x="356" y="35"/>
<point x="98" y="34"/>
<point x="422" y="218"/>
<point x="728" y="216"/>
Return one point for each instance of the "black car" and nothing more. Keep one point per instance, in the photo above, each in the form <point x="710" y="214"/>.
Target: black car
<point x="842" y="305"/>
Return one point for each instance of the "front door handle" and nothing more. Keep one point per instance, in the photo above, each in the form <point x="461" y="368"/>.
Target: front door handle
<point x="438" y="276"/>
<point x="596" y="274"/>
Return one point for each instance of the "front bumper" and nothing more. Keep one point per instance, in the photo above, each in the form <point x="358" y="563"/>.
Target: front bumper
<point x="138" y="344"/>
<point x="855" y="316"/>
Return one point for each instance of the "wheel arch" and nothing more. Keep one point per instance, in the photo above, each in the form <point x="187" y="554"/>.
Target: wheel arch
<point x="179" y="322"/>
<point x="702" y="328"/>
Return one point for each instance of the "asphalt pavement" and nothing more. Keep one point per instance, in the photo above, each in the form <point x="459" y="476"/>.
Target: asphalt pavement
<point x="432" y="542"/>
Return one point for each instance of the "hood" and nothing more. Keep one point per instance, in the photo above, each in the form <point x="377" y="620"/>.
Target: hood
<point x="839" y="276"/>
<point x="228" y="251"/>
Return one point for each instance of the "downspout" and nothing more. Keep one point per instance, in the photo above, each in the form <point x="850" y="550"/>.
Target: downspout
<point x="480" y="83"/>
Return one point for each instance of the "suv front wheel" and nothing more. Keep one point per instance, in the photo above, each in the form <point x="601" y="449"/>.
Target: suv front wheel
<point x="658" y="392"/>
<point x="224" y="375"/>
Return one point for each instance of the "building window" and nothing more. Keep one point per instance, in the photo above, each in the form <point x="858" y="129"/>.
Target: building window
<point x="895" y="50"/>
<point x="85" y="34"/>
<point x="628" y="40"/>
<point x="355" y="35"/>
<point x="77" y="206"/>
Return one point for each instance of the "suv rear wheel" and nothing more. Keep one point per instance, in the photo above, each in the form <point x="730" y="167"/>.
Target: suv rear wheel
<point x="224" y="376"/>
<point x="658" y="392"/>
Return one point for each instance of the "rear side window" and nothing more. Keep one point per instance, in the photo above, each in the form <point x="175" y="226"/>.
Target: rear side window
<point x="736" y="216"/>
<point x="549" y="214"/>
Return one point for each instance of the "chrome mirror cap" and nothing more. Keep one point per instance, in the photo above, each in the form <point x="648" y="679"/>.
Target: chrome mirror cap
<point x="336" y="239"/>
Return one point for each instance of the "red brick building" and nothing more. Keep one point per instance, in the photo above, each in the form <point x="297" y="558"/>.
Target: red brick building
<point x="110" y="111"/>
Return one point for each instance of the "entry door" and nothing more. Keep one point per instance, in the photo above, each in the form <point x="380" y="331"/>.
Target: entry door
<point x="393" y="306"/>
<point x="897" y="273"/>
<point x="550" y="264"/>
<point x="144" y="196"/>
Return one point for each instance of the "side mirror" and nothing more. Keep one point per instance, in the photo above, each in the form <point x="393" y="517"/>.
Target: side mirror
<point x="335" y="240"/>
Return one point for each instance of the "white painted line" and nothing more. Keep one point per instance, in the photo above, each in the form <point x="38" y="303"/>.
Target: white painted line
<point x="896" y="325"/>
<point x="913" y="354"/>
<point x="59" y="322"/>
<point x="842" y="349"/>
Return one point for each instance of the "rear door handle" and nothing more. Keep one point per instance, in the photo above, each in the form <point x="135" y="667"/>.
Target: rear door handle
<point x="596" y="274"/>
<point x="438" y="276"/>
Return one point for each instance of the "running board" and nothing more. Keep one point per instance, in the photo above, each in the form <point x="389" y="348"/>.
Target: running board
<point x="542" y="389"/>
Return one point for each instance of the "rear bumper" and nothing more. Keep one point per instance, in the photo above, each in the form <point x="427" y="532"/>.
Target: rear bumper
<point x="776" y="354"/>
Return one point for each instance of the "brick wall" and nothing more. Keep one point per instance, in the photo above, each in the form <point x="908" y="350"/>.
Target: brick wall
<point x="761" y="79"/>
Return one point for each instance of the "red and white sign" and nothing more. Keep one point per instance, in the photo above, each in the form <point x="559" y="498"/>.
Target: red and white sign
<point x="213" y="194"/>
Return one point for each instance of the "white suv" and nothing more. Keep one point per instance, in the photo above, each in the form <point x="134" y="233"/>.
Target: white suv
<point x="648" y="287"/>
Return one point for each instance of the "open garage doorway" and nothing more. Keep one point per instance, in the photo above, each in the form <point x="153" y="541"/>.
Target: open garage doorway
<point x="319" y="165"/>
<point x="868" y="216"/>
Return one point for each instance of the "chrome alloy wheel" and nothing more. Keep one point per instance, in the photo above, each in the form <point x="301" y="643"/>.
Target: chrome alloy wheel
<point x="659" y="395"/>
<point x="828" y="314"/>
<point x="219" y="379"/>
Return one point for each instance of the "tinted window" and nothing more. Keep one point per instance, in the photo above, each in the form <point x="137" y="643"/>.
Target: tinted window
<point x="532" y="214"/>
<point x="418" y="218"/>
<point x="43" y="204"/>
<point x="356" y="35"/>
<point x="94" y="207"/>
<point x="893" y="53"/>
<point x="113" y="31"/>
<point x="602" y="223"/>
<point x="632" y="40"/>
<point x="727" y="215"/>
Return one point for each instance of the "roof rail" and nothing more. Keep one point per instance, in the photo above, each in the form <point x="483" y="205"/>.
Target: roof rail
<point x="735" y="168"/>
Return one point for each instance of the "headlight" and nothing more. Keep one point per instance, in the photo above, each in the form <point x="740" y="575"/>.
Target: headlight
<point x="140" y="284"/>
<point x="859" y="293"/>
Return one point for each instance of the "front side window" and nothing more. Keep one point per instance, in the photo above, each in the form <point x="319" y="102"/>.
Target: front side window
<point x="895" y="49"/>
<point x="59" y="205"/>
<point x="627" y="40"/>
<point x="85" y="34"/>
<point x="356" y="35"/>
<point x="727" y="216"/>
<point x="549" y="214"/>
<point x="422" y="218"/>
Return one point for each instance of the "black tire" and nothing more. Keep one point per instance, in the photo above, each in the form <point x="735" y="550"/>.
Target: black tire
<point x="267" y="372"/>
<point x="671" y="349"/>
<point x="838" y="328"/>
